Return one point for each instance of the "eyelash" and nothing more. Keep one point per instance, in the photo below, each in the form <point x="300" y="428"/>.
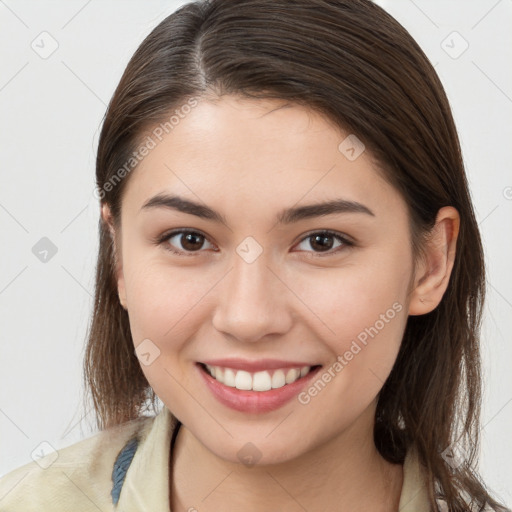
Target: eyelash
<point x="167" y="236"/>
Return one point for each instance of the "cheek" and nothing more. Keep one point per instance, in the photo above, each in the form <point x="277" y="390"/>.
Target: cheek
<point x="362" y="312"/>
<point x="366" y="317"/>
<point x="161" y="309"/>
<point x="161" y="298"/>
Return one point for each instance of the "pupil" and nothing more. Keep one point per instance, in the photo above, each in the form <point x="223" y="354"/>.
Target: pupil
<point x="322" y="241"/>
<point x="189" y="241"/>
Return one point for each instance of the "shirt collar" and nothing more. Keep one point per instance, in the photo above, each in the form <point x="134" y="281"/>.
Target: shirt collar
<point x="146" y="486"/>
<point x="414" y="496"/>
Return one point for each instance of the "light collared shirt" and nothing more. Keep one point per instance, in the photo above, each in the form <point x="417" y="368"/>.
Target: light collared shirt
<point x="126" y="469"/>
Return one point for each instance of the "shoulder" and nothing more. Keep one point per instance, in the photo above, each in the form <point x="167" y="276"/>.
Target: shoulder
<point x="77" y="477"/>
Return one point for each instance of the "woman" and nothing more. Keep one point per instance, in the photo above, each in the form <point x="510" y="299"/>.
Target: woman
<point x="289" y="260"/>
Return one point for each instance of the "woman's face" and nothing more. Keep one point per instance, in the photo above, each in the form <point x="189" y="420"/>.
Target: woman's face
<point x="258" y="283"/>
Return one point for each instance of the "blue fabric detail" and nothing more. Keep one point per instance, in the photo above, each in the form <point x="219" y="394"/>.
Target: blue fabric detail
<point x="121" y="465"/>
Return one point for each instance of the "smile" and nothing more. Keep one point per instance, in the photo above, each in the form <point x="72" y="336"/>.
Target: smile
<point x="257" y="381"/>
<point x="254" y="389"/>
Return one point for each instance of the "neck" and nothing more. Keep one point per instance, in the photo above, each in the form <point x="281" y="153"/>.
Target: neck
<point x="347" y="473"/>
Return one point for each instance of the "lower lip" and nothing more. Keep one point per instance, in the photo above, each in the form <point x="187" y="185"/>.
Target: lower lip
<point x="255" y="401"/>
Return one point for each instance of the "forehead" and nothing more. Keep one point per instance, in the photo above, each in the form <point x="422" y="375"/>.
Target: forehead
<point x="254" y="154"/>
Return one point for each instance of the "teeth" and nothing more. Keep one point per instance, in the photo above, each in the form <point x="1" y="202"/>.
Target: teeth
<point x="243" y="380"/>
<point x="278" y="379"/>
<point x="261" y="381"/>
<point x="292" y="375"/>
<point x="258" y="381"/>
<point x="229" y="378"/>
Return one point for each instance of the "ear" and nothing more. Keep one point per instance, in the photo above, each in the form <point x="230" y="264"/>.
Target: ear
<point x="433" y="271"/>
<point x="106" y="216"/>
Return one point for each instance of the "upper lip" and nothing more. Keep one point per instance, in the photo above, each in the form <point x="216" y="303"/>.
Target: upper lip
<point x="255" y="366"/>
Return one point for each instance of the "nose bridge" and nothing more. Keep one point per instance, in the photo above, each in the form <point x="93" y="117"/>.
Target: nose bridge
<point x="252" y="302"/>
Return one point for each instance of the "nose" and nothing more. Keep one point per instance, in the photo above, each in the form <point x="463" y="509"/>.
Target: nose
<point x="253" y="301"/>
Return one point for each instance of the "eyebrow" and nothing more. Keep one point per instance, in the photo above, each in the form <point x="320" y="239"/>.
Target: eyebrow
<point x="286" y="216"/>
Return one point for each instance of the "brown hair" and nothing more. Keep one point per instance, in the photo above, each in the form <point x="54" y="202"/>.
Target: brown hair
<point x="354" y="63"/>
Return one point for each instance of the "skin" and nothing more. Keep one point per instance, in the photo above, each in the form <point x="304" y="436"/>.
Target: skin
<point x="249" y="159"/>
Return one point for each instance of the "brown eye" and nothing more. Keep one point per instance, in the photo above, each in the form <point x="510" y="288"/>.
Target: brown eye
<point x="191" y="241"/>
<point x="184" y="241"/>
<point x="324" y="242"/>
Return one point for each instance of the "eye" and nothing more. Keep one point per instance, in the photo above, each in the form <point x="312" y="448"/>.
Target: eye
<point x="187" y="241"/>
<point x="323" y="240"/>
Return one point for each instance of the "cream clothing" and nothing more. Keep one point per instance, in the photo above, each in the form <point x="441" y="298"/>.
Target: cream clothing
<point x="126" y="469"/>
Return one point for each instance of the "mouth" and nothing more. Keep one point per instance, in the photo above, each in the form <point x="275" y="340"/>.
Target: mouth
<point x="258" y="391"/>
<point x="259" y="381"/>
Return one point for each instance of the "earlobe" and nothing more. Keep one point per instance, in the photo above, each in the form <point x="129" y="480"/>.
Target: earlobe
<point x="434" y="270"/>
<point x="106" y="216"/>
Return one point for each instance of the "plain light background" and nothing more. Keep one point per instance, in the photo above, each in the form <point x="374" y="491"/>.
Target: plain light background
<point x="51" y="108"/>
